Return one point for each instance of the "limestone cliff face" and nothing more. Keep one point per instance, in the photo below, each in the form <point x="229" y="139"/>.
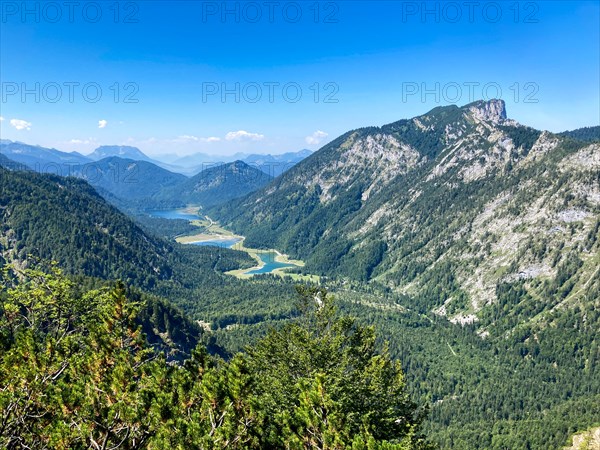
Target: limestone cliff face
<point x="492" y="111"/>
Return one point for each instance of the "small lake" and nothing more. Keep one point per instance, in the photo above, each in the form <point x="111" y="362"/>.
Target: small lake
<point x="268" y="259"/>
<point x="223" y="243"/>
<point x="269" y="264"/>
<point x="174" y="214"/>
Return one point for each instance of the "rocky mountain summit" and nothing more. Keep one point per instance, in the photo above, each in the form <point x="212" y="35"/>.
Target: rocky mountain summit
<point x="492" y="111"/>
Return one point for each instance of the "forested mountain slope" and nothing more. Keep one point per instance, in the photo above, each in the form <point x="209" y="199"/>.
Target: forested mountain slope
<point x="65" y="220"/>
<point x="586" y="134"/>
<point x="454" y="208"/>
<point x="132" y="182"/>
<point x="9" y="164"/>
<point x="76" y="373"/>
<point x="466" y="215"/>
<point x="49" y="218"/>
<point x="46" y="217"/>
<point x="216" y="184"/>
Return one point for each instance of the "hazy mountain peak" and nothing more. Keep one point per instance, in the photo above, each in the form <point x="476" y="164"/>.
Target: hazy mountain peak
<point x="305" y="152"/>
<point x="123" y="151"/>
<point x="238" y="163"/>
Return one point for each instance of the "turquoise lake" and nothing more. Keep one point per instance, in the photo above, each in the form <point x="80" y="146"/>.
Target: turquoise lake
<point x="223" y="243"/>
<point x="174" y="214"/>
<point x="267" y="258"/>
<point x="270" y="264"/>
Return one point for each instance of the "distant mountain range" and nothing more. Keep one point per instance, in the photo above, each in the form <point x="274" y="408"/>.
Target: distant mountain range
<point x="41" y="159"/>
<point x="121" y="151"/>
<point x="273" y="165"/>
<point x="130" y="179"/>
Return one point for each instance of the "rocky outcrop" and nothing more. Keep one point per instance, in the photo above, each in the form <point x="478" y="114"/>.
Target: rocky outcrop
<point x="491" y="111"/>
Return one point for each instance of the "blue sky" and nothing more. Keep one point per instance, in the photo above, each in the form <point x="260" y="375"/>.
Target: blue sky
<point x="303" y="72"/>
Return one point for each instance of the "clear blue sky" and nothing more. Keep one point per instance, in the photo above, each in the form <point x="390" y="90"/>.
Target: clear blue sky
<point x="369" y="56"/>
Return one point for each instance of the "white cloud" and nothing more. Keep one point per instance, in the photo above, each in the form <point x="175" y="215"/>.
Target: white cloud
<point x="1" y="119"/>
<point x="243" y="135"/>
<point x="102" y="123"/>
<point x="87" y="141"/>
<point x="316" y="138"/>
<point x="20" y="124"/>
<point x="187" y="138"/>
